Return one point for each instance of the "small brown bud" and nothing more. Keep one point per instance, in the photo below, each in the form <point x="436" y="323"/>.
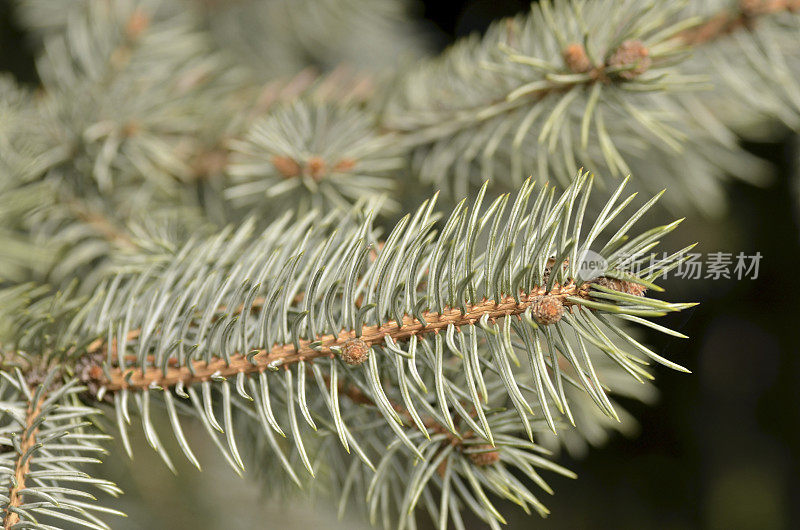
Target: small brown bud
<point x="631" y="53"/>
<point x="286" y="166"/>
<point x="576" y="59"/>
<point x="137" y="24"/>
<point x="488" y="455"/>
<point x="547" y="309"/>
<point x="355" y="352"/>
<point x="316" y="167"/>
<point x="89" y="370"/>
<point x="345" y="164"/>
<point x="132" y="128"/>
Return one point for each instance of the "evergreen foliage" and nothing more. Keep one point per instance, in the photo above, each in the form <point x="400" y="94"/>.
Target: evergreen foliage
<point x="195" y="225"/>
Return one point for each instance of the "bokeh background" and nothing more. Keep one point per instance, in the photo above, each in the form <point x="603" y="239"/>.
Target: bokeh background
<point x="720" y="449"/>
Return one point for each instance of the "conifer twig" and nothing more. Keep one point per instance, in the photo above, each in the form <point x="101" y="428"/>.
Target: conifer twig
<point x="103" y="226"/>
<point x="47" y="437"/>
<point x="714" y="27"/>
<point x="24" y="460"/>
<point x="438" y="348"/>
<point x="727" y="21"/>
<point x="283" y="355"/>
<point x="529" y="95"/>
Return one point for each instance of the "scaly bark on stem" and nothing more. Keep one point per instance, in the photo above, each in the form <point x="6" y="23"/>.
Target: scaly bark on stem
<point x="286" y="354"/>
<point x="21" y="467"/>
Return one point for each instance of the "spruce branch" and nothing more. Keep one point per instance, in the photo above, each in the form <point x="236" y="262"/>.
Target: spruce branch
<point x="117" y="124"/>
<point x="752" y="60"/>
<point x="528" y="97"/>
<point x="424" y="339"/>
<point x="428" y="322"/>
<point x="728" y="21"/>
<point x="315" y="154"/>
<point x="78" y="165"/>
<point x="423" y="369"/>
<point x="22" y="465"/>
<point x="282" y="37"/>
<point x="415" y="322"/>
<point x="45" y="435"/>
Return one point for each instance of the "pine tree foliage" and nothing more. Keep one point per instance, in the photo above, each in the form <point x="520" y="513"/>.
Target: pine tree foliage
<point x="194" y="227"/>
<point x="284" y="36"/>
<point x="459" y="341"/>
<point x="312" y="151"/>
<point x="107" y="141"/>
<point x="528" y="97"/>
<point x="47" y="438"/>
<point x="759" y="38"/>
<point x="127" y="97"/>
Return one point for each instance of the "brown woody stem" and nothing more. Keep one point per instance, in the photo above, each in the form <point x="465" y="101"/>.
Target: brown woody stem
<point x="726" y="22"/>
<point x="23" y="462"/>
<point x="286" y="354"/>
<point x="105" y="228"/>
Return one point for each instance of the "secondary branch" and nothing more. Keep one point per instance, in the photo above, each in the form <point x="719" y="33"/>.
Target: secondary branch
<point x="22" y="465"/>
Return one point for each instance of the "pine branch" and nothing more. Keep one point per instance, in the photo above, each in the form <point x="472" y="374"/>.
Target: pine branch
<point x="329" y="345"/>
<point x="729" y="21"/>
<point x="22" y="466"/>
<point x="420" y="324"/>
<point x="527" y="97"/>
<point x="122" y="126"/>
<point x="77" y="168"/>
<point x="44" y="437"/>
<point x="410" y="340"/>
<point x="423" y="367"/>
<point x="313" y="154"/>
<point x="753" y="63"/>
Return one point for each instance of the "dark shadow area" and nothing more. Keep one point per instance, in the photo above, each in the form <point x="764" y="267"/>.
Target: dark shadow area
<point x="16" y="56"/>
